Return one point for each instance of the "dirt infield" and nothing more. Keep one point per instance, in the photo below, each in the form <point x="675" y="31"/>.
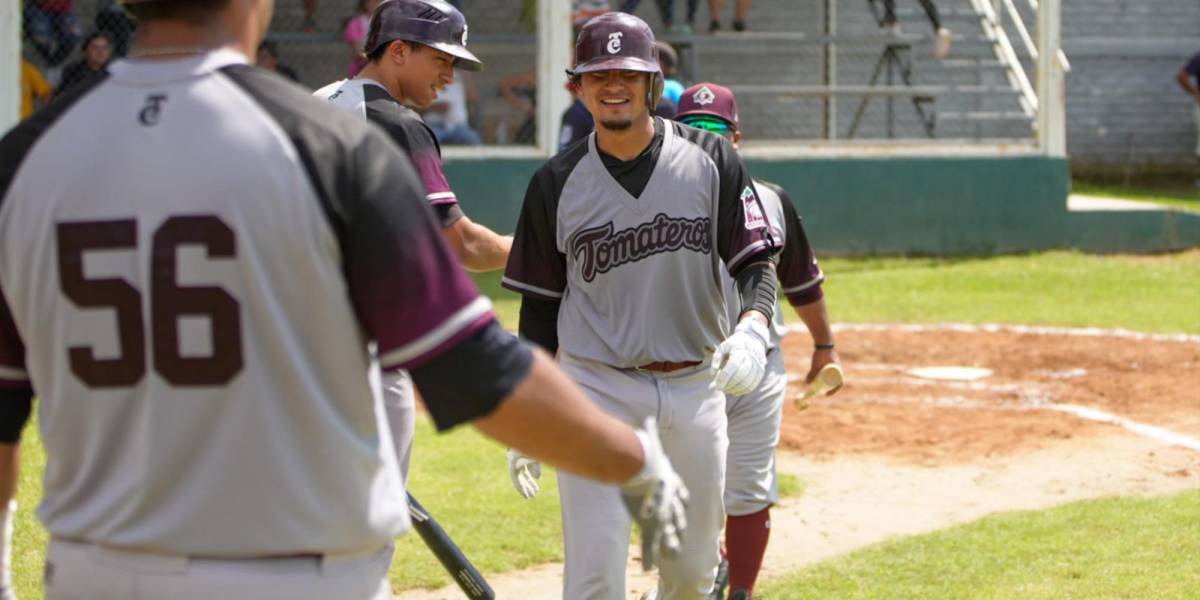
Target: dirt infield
<point x="894" y="454"/>
<point x="884" y="410"/>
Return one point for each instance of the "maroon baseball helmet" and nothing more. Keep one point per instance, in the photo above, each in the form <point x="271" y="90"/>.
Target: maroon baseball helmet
<point x="434" y="23"/>
<point x="708" y="100"/>
<point x="618" y="41"/>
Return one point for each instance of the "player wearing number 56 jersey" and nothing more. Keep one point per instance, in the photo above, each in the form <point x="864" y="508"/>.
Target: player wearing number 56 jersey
<point x="195" y="304"/>
<point x="619" y="253"/>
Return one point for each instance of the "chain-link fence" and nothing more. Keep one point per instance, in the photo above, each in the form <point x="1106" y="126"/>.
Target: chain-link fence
<point x="803" y="70"/>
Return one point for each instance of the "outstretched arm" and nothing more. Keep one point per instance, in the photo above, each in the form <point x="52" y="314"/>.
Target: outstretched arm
<point x="477" y="247"/>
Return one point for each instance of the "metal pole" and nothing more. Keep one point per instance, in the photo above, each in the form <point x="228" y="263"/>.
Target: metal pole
<point x="830" y="70"/>
<point x="1051" y="117"/>
<point x="554" y="57"/>
<point x="10" y="63"/>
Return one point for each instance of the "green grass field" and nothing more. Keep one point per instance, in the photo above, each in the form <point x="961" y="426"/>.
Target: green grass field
<point x="1179" y="192"/>
<point x="462" y="478"/>
<point x="1111" y="548"/>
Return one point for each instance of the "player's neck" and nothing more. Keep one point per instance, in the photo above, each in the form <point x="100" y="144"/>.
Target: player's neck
<point x="626" y="144"/>
<point x="171" y="39"/>
<point x="374" y="72"/>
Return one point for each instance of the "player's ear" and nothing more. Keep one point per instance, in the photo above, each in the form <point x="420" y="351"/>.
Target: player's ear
<point x="398" y="51"/>
<point x="573" y="85"/>
<point x="736" y="139"/>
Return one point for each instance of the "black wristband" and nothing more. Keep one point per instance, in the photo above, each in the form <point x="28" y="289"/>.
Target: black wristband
<point x="823" y="346"/>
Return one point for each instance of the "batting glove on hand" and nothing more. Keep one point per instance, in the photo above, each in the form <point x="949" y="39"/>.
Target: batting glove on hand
<point x="741" y="359"/>
<point x="524" y="473"/>
<point x="656" y="497"/>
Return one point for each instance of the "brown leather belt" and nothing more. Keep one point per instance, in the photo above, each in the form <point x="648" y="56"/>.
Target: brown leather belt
<point x="666" y="366"/>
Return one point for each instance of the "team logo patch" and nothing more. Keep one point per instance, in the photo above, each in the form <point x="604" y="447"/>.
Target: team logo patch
<point x="614" y="42"/>
<point x="599" y="249"/>
<point x="149" y="114"/>
<point x="704" y="96"/>
<point x="752" y="210"/>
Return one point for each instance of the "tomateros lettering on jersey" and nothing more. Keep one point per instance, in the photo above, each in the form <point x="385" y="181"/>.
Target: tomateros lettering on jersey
<point x="598" y="249"/>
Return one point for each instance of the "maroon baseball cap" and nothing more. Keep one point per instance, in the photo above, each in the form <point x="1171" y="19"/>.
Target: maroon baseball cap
<point x="710" y="100"/>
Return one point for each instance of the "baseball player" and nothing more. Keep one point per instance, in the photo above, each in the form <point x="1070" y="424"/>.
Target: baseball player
<point x="618" y="254"/>
<point x="412" y="49"/>
<point x="754" y="418"/>
<point x="203" y="304"/>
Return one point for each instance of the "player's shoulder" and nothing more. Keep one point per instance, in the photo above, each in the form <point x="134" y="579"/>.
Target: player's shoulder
<point x="297" y="111"/>
<point x="772" y="187"/>
<point x="401" y="122"/>
<point x="715" y="146"/>
<point x="561" y="165"/>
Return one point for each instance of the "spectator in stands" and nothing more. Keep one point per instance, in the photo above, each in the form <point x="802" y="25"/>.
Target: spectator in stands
<point x="520" y="92"/>
<point x="309" y="25"/>
<point x="666" y="9"/>
<point x="51" y="28"/>
<point x="1189" y="78"/>
<point x="941" y="47"/>
<point x="113" y="21"/>
<point x="449" y="115"/>
<point x="35" y="90"/>
<point x="355" y="32"/>
<point x="669" y="61"/>
<point x="97" y="52"/>
<point x="716" y="7"/>
<point x="268" y="58"/>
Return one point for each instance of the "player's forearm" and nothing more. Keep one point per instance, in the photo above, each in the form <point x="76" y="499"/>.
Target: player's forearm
<point x="478" y="248"/>
<point x="816" y="319"/>
<point x="548" y="418"/>
<point x="1185" y="82"/>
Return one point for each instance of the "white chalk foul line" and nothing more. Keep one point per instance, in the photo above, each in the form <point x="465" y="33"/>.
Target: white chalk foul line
<point x="1030" y="329"/>
<point x="1150" y="431"/>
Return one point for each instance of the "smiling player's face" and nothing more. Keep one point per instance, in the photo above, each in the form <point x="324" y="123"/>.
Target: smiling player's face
<point x="424" y="73"/>
<point x="615" y="98"/>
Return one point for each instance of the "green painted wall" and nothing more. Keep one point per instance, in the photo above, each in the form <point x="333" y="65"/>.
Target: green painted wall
<point x="902" y="205"/>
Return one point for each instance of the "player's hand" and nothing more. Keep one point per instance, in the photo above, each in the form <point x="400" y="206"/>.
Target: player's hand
<point x="820" y="358"/>
<point x="656" y="497"/>
<point x="741" y="359"/>
<point x="524" y="473"/>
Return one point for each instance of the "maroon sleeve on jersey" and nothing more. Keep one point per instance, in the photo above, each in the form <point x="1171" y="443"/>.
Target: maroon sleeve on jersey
<point x="408" y="289"/>
<point x="12" y="353"/>
<point x="428" y="162"/>
<point x="799" y="276"/>
<point x="743" y="233"/>
<point x="535" y="266"/>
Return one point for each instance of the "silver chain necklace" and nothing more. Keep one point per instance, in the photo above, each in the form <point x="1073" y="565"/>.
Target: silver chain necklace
<point x="170" y="51"/>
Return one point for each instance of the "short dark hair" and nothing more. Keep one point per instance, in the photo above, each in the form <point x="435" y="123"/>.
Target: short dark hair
<point x="382" y="49"/>
<point x="191" y="11"/>
<point x="91" y="37"/>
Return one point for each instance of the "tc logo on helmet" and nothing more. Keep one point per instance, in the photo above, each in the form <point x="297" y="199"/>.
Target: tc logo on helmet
<point x="704" y="96"/>
<point x="614" y="42"/>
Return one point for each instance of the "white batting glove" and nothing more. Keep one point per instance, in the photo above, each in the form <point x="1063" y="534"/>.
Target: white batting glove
<point x="524" y="473"/>
<point x="7" y="592"/>
<point x="656" y="497"/>
<point x="741" y="359"/>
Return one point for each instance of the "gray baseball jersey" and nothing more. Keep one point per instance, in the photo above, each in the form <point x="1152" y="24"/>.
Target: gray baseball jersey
<point x="800" y="276"/>
<point x="369" y="99"/>
<point x="639" y="278"/>
<point x="194" y="257"/>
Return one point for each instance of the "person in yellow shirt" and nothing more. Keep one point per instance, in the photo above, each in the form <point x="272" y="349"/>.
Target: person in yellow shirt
<point x="35" y="91"/>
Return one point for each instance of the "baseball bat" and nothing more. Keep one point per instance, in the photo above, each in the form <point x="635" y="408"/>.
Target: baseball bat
<point x="447" y="552"/>
<point x="829" y="377"/>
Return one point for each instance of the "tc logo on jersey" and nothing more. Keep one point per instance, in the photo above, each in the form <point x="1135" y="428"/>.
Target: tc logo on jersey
<point x="599" y="250"/>
<point x="704" y="96"/>
<point x="752" y="210"/>
<point x="150" y="113"/>
<point x="614" y="42"/>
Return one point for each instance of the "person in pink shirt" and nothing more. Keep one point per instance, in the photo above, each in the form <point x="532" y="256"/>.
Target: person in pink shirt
<point x="354" y="34"/>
